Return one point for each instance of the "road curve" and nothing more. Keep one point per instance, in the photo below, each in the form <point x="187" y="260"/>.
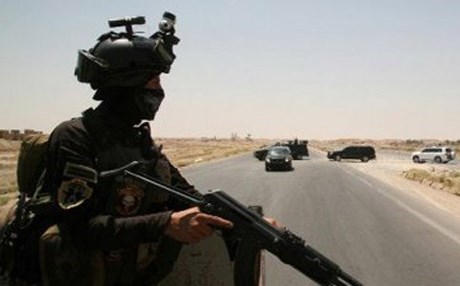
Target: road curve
<point x="379" y="234"/>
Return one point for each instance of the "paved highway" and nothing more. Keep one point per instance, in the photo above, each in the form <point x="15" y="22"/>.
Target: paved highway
<point x="378" y="234"/>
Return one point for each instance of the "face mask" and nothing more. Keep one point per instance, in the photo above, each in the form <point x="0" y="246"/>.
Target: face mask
<point x="148" y="102"/>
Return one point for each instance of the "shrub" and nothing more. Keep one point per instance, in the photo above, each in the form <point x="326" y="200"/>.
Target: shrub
<point x="416" y="174"/>
<point x="448" y="180"/>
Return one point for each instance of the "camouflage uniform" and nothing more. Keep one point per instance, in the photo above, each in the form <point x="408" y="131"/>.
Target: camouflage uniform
<point x="95" y="231"/>
<point x="110" y="232"/>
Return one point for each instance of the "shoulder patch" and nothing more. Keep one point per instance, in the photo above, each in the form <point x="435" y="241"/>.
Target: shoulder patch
<point x="73" y="193"/>
<point x="80" y="171"/>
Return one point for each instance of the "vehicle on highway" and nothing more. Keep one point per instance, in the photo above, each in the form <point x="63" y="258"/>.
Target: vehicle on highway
<point x="298" y="148"/>
<point x="278" y="157"/>
<point x="261" y="153"/>
<point x="435" y="154"/>
<point x="363" y="153"/>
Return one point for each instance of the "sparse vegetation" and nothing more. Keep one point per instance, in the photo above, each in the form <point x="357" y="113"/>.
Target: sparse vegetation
<point x="443" y="180"/>
<point x="183" y="152"/>
<point x="8" y="158"/>
<point x="9" y="145"/>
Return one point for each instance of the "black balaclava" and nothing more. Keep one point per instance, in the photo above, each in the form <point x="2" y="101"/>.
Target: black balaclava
<point x="148" y="102"/>
<point x="130" y="104"/>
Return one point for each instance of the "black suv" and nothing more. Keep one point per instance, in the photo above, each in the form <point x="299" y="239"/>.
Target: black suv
<point x="363" y="153"/>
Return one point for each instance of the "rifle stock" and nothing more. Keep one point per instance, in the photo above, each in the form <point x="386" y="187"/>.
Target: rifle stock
<point x="248" y="224"/>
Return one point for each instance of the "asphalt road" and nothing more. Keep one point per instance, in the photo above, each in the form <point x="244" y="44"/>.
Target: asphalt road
<point x="378" y="234"/>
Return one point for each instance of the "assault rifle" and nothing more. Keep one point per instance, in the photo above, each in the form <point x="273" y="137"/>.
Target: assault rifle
<point x="248" y="224"/>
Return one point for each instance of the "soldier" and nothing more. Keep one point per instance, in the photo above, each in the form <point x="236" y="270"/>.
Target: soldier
<point x="112" y="231"/>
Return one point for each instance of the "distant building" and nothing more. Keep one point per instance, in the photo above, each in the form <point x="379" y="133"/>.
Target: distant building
<point x="4" y="133"/>
<point x="16" y="134"/>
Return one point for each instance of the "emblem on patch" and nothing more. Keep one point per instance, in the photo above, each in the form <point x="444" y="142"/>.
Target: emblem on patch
<point x="73" y="193"/>
<point x="129" y="199"/>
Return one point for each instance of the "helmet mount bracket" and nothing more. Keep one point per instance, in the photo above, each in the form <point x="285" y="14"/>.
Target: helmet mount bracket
<point x="128" y="22"/>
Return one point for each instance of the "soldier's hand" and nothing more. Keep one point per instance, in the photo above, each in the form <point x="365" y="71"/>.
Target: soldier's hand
<point x="191" y="225"/>
<point x="274" y="222"/>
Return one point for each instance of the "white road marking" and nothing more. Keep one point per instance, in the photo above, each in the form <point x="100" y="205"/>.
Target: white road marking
<point x="406" y="207"/>
<point x="421" y="216"/>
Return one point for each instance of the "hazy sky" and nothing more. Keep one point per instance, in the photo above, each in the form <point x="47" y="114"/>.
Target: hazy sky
<point x="273" y="69"/>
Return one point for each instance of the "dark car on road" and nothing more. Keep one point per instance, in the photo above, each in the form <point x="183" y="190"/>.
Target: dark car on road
<point x="299" y="149"/>
<point x="363" y="153"/>
<point x="261" y="153"/>
<point x="278" y="157"/>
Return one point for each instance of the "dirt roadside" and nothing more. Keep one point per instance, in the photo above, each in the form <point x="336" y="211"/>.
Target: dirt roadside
<point x="389" y="168"/>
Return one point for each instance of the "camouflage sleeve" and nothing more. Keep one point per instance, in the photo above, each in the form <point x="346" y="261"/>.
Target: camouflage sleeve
<point x="73" y="183"/>
<point x="71" y="176"/>
<point x="107" y="232"/>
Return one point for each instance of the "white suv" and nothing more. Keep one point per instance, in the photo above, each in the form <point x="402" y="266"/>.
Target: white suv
<point x="436" y="154"/>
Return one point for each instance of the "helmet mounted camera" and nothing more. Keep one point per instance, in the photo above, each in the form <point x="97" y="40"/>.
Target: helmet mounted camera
<point x="127" y="59"/>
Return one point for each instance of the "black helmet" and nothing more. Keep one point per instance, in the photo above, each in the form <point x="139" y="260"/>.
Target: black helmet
<point x="125" y="59"/>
